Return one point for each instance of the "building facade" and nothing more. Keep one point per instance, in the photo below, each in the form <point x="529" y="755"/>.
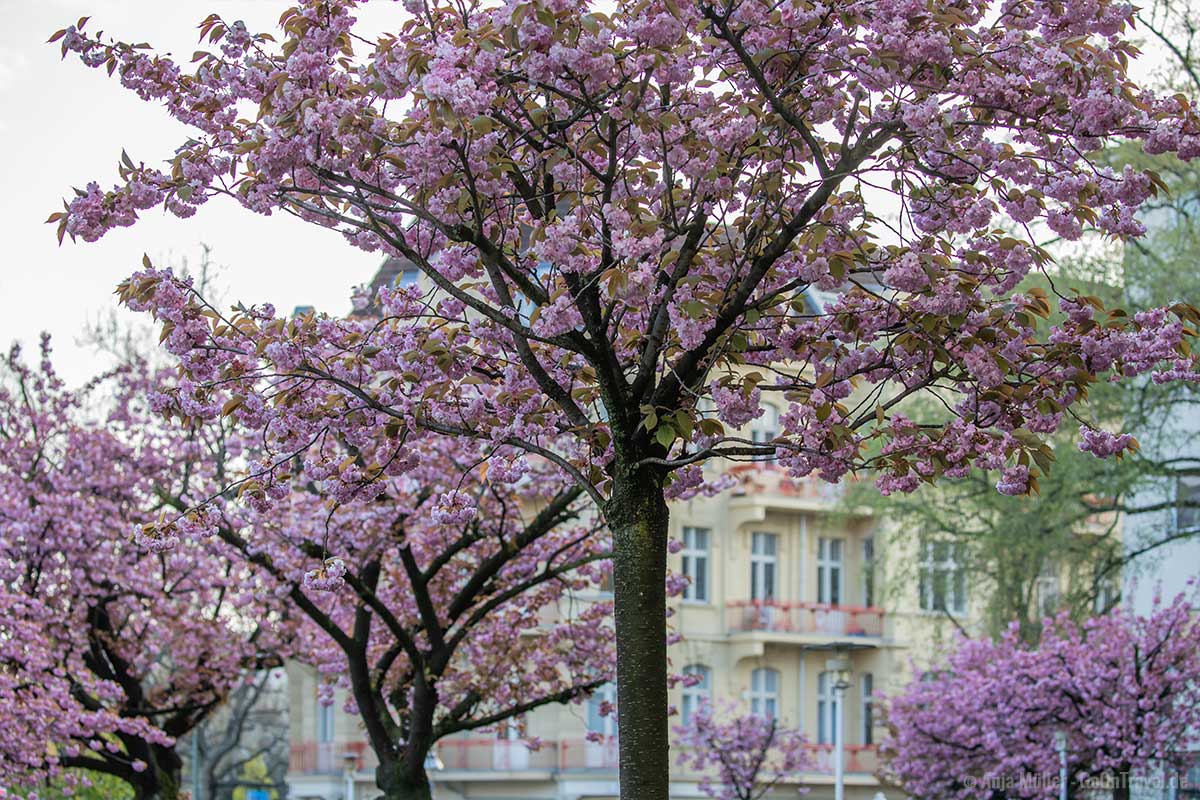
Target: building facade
<point x="783" y="580"/>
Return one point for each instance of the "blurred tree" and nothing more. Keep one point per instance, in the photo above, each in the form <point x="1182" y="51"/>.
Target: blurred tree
<point x="1030" y="556"/>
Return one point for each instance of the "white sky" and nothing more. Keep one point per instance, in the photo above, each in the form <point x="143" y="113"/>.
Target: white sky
<point x="62" y="125"/>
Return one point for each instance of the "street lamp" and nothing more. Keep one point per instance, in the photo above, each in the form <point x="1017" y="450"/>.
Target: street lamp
<point x="349" y="767"/>
<point x="839" y="670"/>
<point x="433" y="763"/>
<point x="1060" y="744"/>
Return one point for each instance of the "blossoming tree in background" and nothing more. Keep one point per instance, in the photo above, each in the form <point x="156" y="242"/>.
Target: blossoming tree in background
<point x="465" y="591"/>
<point x="109" y="651"/>
<point x="1124" y="689"/>
<point x="749" y="753"/>
<point x="622" y="220"/>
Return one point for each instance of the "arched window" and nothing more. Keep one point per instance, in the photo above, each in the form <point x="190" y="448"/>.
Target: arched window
<point x="764" y="692"/>
<point x="695" y="695"/>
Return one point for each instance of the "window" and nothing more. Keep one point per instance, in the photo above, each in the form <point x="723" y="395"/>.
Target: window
<point x="1048" y="596"/>
<point x="942" y="577"/>
<point x="324" y="721"/>
<point x="1107" y="596"/>
<point x="829" y="571"/>
<point x="525" y="306"/>
<point x="603" y="724"/>
<point x="764" y="692"/>
<point x="868" y="571"/>
<point x="605" y="586"/>
<point x="765" y="429"/>
<point x="868" y="708"/>
<point x="763" y="560"/>
<point x="697" y="694"/>
<point x="826" y="707"/>
<point x="695" y="563"/>
<point x="408" y="277"/>
<point x="1187" y="502"/>
<point x="509" y="730"/>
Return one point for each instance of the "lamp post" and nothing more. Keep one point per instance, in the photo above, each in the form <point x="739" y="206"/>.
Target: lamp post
<point x="349" y="767"/>
<point x="433" y="763"/>
<point x="1060" y="744"/>
<point x="839" y="669"/>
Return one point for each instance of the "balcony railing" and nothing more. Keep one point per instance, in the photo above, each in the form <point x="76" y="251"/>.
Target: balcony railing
<point x="326" y="758"/>
<point x="858" y="759"/>
<point x="766" y="478"/>
<point x="811" y="618"/>
<point x="497" y="755"/>
<point x="510" y="755"/>
<point x="507" y="755"/>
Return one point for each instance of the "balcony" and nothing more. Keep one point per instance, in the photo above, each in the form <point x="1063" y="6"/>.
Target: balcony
<point x="326" y="758"/>
<point x="505" y="759"/>
<point x="481" y="757"/>
<point x="515" y="755"/>
<point x="492" y="759"/>
<point x="807" y="623"/>
<point x="860" y="759"/>
<point x="765" y="479"/>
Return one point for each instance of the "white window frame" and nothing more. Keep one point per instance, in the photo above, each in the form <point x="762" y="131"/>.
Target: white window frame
<point x="764" y="692"/>
<point x="868" y="572"/>
<point x="831" y="571"/>
<point x="696" y="543"/>
<point x="697" y="695"/>
<point x="764" y="565"/>
<point x="1179" y="520"/>
<point x="867" y="687"/>
<point x="948" y="569"/>
<point x="326" y="722"/>
<point x="826" y="707"/>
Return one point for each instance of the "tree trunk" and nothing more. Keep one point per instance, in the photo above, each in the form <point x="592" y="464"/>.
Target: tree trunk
<point x="1121" y="788"/>
<point x="168" y="773"/>
<point x="401" y="780"/>
<point x="637" y="515"/>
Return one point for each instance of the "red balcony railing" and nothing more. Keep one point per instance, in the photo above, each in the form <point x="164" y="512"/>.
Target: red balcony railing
<point x="515" y="755"/>
<point x="858" y="758"/>
<point x="816" y="618"/>
<point x="767" y="478"/>
<point x="326" y="758"/>
<point x="504" y="755"/>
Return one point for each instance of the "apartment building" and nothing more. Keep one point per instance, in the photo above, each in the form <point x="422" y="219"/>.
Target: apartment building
<point x="783" y="581"/>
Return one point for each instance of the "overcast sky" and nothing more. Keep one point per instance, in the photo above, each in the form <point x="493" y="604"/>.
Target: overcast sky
<point x="62" y="125"/>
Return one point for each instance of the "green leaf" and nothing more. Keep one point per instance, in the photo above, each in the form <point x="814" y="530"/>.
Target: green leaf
<point x="664" y="435"/>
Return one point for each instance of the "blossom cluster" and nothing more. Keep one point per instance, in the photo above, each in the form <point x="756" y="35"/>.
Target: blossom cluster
<point x="1122" y="687"/>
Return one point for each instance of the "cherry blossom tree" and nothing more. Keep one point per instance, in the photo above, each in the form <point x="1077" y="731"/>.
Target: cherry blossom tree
<point x="1125" y="689"/>
<point x="640" y="223"/>
<point x="110" y="652"/>
<point x="464" y="592"/>
<point x="750" y="753"/>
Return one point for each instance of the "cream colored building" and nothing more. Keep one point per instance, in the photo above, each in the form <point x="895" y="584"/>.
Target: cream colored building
<point x="783" y="579"/>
